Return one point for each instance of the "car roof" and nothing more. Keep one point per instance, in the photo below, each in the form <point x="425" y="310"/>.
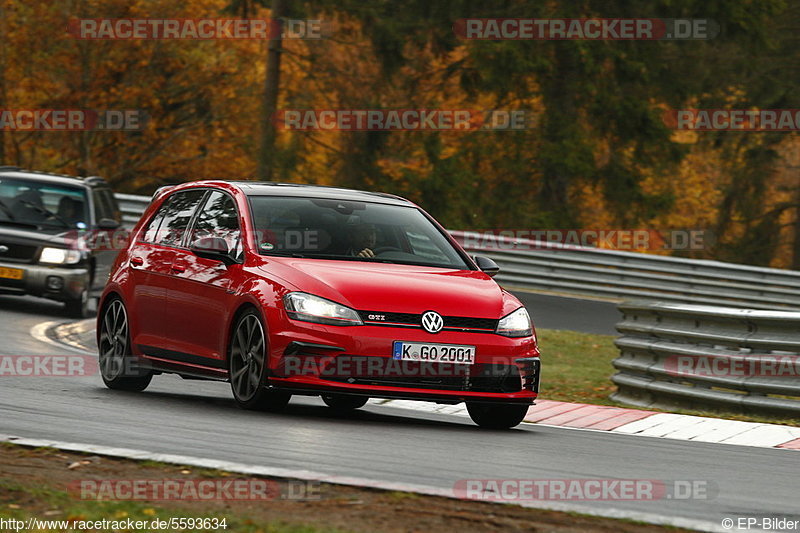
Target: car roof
<point x="49" y="177"/>
<point x="269" y="188"/>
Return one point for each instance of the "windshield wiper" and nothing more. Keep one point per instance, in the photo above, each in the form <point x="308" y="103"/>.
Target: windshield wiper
<point x="45" y="211"/>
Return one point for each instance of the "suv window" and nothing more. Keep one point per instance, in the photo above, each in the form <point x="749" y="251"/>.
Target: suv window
<point x="169" y="224"/>
<point x="106" y="205"/>
<point x="218" y="218"/>
<point x="29" y="201"/>
<point x="102" y="209"/>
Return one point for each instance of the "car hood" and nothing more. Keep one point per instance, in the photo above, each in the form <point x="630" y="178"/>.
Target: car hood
<point x="37" y="236"/>
<point x="396" y="288"/>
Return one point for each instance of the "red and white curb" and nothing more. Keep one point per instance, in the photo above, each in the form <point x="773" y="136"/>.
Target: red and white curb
<point x="639" y="422"/>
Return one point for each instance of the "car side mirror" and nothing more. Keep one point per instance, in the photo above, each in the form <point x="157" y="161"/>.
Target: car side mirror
<point x="107" y="224"/>
<point x="487" y="265"/>
<point x="213" y="248"/>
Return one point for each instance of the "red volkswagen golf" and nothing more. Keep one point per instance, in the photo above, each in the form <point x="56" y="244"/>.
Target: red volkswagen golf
<point x="286" y="289"/>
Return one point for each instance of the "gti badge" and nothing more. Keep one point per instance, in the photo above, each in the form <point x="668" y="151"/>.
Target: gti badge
<point x="432" y="322"/>
<point x="3" y="248"/>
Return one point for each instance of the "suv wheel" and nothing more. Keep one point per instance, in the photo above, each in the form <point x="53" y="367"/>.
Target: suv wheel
<point x="344" y="402"/>
<point x="78" y="307"/>
<point x="496" y="416"/>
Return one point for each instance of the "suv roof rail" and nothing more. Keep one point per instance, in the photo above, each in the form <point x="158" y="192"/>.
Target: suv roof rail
<point x="9" y="167"/>
<point x="94" y="179"/>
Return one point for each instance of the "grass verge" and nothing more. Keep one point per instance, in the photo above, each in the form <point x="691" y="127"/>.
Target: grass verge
<point x="35" y="483"/>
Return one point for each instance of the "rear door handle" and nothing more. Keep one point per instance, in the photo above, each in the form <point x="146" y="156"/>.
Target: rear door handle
<point x="137" y="261"/>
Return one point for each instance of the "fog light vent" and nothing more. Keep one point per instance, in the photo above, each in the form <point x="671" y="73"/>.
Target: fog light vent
<point x="54" y="283"/>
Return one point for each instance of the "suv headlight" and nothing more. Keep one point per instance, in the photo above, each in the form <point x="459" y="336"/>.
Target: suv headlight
<point x="59" y="256"/>
<point x="310" y="308"/>
<point x="516" y="324"/>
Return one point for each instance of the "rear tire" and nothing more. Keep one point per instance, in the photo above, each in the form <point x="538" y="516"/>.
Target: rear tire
<point x="247" y="366"/>
<point x="118" y="367"/>
<point x="344" y="403"/>
<point x="496" y="416"/>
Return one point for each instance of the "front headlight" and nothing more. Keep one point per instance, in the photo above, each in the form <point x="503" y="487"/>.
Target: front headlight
<point x="59" y="256"/>
<point x="310" y="308"/>
<point x="516" y="324"/>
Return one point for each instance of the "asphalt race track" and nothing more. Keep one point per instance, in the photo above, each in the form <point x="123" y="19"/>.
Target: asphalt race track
<point x="200" y="419"/>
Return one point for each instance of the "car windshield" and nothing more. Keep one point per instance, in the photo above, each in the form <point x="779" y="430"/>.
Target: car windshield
<point x="33" y="203"/>
<point x="350" y="230"/>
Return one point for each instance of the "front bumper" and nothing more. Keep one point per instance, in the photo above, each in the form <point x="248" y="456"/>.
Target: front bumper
<point x="55" y="283"/>
<point x="307" y="358"/>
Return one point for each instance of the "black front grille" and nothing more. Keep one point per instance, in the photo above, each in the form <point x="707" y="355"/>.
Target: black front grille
<point x="461" y="323"/>
<point x="17" y="253"/>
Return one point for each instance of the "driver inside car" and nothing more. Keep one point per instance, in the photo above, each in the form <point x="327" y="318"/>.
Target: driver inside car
<point x="362" y="240"/>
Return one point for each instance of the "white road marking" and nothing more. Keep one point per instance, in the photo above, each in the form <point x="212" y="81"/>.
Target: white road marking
<point x="39" y="332"/>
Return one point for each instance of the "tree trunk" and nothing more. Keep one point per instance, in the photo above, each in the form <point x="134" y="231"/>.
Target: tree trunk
<point x="3" y="95"/>
<point x="266" y="153"/>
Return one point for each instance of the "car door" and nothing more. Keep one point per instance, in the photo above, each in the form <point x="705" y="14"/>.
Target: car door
<point x="200" y="290"/>
<point x="151" y="262"/>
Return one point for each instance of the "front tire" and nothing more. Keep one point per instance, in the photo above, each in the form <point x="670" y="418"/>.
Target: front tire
<point x="247" y="366"/>
<point x="496" y="416"/>
<point x="118" y="367"/>
<point x="344" y="403"/>
<point x="78" y="307"/>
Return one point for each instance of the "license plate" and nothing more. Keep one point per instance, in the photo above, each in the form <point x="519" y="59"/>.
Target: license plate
<point x="433" y="353"/>
<point x="11" y="273"/>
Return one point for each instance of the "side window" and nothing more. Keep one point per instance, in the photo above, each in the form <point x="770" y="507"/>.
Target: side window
<point x="173" y="218"/>
<point x="101" y="207"/>
<point x="112" y="206"/>
<point x="219" y="218"/>
<point x="151" y="231"/>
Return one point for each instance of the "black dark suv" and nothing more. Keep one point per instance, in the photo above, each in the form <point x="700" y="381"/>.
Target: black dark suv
<point x="49" y="228"/>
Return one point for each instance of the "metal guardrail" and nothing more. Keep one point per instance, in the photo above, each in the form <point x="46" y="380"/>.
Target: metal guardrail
<point x="624" y="275"/>
<point x="612" y="274"/>
<point x="132" y="207"/>
<point x="695" y="356"/>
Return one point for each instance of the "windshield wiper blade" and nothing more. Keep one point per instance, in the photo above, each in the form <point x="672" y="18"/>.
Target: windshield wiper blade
<point x="45" y="211"/>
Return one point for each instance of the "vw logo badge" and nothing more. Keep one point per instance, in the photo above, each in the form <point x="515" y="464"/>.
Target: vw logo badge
<point x="432" y="322"/>
<point x="3" y="248"/>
